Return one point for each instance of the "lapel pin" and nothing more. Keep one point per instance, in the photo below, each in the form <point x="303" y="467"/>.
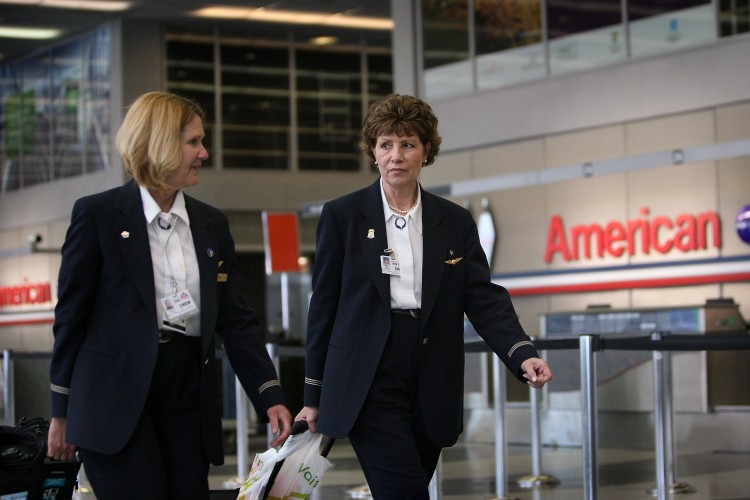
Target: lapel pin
<point x="450" y="252"/>
<point x="125" y="234"/>
<point x="210" y="252"/>
<point x="370" y="234"/>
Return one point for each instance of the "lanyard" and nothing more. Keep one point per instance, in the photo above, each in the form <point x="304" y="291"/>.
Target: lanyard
<point x="164" y="240"/>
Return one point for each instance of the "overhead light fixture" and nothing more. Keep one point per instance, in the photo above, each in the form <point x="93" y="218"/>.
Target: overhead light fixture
<point x="322" y="41"/>
<point x="295" y="17"/>
<point x="28" y="33"/>
<point x="98" y="5"/>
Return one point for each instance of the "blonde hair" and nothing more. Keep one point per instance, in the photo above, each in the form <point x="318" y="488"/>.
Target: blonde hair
<point x="402" y="115"/>
<point x="149" y="139"/>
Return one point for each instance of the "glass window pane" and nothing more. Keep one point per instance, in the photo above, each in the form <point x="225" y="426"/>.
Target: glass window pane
<point x="445" y="37"/>
<point x="10" y="128"/>
<point x="96" y="103"/>
<point x="742" y="16"/>
<point x="37" y="127"/>
<point x="255" y="106"/>
<point x="583" y="34"/>
<point x="669" y="25"/>
<point x="329" y="104"/>
<point x="55" y="113"/>
<point x="508" y="41"/>
<point x="380" y="75"/>
<point x="380" y="72"/>
<point x="190" y="72"/>
<point x="68" y="141"/>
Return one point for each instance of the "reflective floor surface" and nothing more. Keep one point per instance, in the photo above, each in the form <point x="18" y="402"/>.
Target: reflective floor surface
<point x="468" y="471"/>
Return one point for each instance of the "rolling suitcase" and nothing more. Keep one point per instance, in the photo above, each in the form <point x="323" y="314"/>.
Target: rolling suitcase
<point x="25" y="471"/>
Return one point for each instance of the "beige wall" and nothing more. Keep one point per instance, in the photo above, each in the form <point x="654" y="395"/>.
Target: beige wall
<point x="522" y="214"/>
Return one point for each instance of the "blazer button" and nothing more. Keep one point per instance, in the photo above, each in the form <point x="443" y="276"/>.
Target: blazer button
<point x="425" y="341"/>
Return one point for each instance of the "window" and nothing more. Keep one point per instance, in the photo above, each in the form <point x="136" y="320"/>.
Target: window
<point x="255" y="106"/>
<point x="669" y="25"/>
<point x="508" y="41"/>
<point x="734" y="17"/>
<point x="471" y="45"/>
<point x="54" y="113"/>
<point x="445" y="34"/>
<point x="329" y="97"/>
<point x="277" y="95"/>
<point x="584" y="34"/>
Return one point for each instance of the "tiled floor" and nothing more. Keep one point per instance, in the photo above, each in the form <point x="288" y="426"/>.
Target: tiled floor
<point x="468" y="473"/>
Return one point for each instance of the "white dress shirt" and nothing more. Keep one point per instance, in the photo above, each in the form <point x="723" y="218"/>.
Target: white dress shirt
<point x="173" y="257"/>
<point x="406" y="243"/>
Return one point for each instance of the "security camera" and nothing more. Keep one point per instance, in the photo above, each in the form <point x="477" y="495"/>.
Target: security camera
<point x="34" y="239"/>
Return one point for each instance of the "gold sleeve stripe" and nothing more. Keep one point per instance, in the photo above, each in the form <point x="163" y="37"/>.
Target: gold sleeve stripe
<point x="270" y="383"/>
<point x="519" y="344"/>
<point x="312" y="381"/>
<point x="59" y="389"/>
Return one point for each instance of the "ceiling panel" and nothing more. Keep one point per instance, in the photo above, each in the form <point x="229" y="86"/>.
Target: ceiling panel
<point x="73" y="22"/>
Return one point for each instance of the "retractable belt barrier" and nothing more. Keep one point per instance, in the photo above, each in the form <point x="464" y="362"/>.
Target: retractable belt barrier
<point x="661" y="344"/>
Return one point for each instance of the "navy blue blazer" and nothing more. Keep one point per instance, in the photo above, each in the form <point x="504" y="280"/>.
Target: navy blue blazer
<point x="350" y="312"/>
<point x="106" y="339"/>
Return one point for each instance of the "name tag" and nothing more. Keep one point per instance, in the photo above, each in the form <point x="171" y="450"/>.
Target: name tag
<point x="179" y="306"/>
<point x="389" y="265"/>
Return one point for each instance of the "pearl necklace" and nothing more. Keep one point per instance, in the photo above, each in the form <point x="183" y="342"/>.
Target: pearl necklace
<point x="403" y="212"/>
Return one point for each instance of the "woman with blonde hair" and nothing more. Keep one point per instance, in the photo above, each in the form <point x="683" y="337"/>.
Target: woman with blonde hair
<point x="148" y="276"/>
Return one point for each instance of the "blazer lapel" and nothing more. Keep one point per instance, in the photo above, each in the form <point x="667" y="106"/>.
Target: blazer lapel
<point x="435" y="248"/>
<point x="132" y="233"/>
<point x="208" y="253"/>
<point x="373" y="247"/>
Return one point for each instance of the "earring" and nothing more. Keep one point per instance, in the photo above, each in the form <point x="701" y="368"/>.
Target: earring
<point x="376" y="163"/>
<point x="425" y="161"/>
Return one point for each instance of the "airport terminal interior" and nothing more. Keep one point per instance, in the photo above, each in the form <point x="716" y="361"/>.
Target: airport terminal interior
<point x="602" y="146"/>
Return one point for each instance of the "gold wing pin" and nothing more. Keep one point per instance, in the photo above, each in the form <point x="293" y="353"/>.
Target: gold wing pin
<point x="453" y="262"/>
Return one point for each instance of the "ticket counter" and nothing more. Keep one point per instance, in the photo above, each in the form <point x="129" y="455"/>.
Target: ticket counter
<point x="701" y="380"/>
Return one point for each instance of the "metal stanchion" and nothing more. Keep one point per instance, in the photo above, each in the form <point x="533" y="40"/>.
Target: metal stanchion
<point x="243" y="445"/>
<point x="243" y="448"/>
<point x="498" y="393"/>
<point x="242" y="420"/>
<point x="273" y="353"/>
<point x="8" y="402"/>
<point x="536" y="479"/>
<point x="659" y="434"/>
<point x="664" y="426"/>
<point x="435" y="486"/>
<point x="588" y="417"/>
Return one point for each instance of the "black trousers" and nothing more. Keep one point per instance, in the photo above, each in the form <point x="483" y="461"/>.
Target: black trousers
<point x="164" y="459"/>
<point x="389" y="438"/>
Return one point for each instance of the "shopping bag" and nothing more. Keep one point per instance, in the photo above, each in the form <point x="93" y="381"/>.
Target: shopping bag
<point x="254" y="486"/>
<point x="301" y="468"/>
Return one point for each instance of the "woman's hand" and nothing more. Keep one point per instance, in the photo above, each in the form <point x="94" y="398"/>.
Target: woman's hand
<point x="281" y="423"/>
<point x="536" y="372"/>
<point x="57" y="448"/>
<point x="310" y="415"/>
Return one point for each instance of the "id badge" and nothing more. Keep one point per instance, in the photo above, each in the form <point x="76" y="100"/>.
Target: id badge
<point x="179" y="306"/>
<point x="389" y="265"/>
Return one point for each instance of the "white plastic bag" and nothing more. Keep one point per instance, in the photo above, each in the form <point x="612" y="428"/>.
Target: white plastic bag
<point x="299" y="474"/>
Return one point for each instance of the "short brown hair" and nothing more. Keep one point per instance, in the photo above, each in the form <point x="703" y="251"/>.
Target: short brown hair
<point x="149" y="139"/>
<point x="403" y="115"/>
